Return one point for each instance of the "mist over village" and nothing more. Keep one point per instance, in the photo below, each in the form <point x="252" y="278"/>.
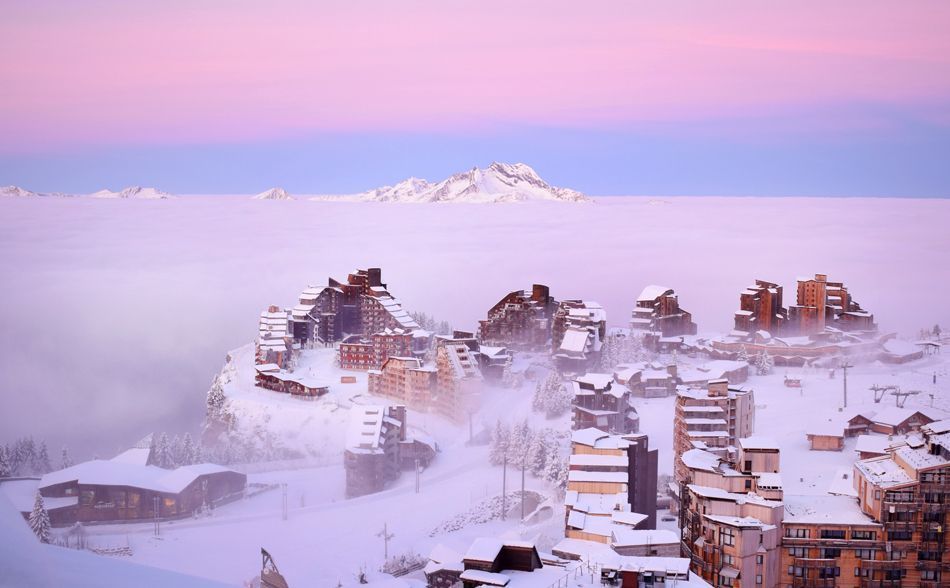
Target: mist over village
<point x="533" y="295"/>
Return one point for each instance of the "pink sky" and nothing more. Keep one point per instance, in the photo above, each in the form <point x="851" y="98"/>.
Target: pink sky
<point x="76" y="74"/>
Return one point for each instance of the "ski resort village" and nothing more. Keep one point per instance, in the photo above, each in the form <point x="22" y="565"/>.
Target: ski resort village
<point x="358" y="442"/>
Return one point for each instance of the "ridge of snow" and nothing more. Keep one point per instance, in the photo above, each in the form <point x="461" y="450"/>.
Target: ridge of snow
<point x="273" y="194"/>
<point x="16" y="192"/>
<point x="133" y="192"/>
<point x="499" y="182"/>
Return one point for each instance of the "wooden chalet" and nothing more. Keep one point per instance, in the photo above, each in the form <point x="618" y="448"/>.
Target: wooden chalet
<point x="115" y="491"/>
<point x="271" y="377"/>
<point x="487" y="559"/>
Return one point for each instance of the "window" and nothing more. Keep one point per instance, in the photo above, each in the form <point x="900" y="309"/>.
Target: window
<point x="118" y="497"/>
<point x="724" y="581"/>
<point x="87" y="497"/>
<point x="134" y="498"/>
<point x="829" y="572"/>
<point x="797" y="552"/>
<point x="930" y="575"/>
<point x="796" y="571"/>
<point x="862" y="572"/>
<point x="832" y="533"/>
<point x="758" y="578"/>
<point x="864" y="553"/>
<point x="863" y="535"/>
<point x="877" y="495"/>
<point x="726" y="537"/>
<point x="758" y="560"/>
<point x="899" y="536"/>
<point x="748" y="484"/>
<point x="928" y="555"/>
<point x="829" y="552"/>
<point x="796" y="533"/>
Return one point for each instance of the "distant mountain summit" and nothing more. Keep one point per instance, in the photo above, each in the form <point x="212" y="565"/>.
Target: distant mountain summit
<point x="499" y="182"/>
<point x="16" y="192"/>
<point x="133" y="192"/>
<point x="273" y="194"/>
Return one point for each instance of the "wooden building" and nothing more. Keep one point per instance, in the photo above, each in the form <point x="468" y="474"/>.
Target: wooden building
<point x="600" y="404"/>
<point x="907" y="491"/>
<point x="828" y="541"/>
<point x="488" y="558"/>
<point x="271" y="377"/>
<point x="761" y="309"/>
<point x="578" y="331"/>
<point x="520" y="320"/>
<point x="374" y="438"/>
<point x="115" y="491"/>
<point x="658" y="314"/>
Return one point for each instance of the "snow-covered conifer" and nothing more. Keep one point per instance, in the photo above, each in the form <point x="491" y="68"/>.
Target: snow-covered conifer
<point x="4" y="462"/>
<point x="39" y="519"/>
<point x="65" y="461"/>
<point x="187" y="456"/>
<point x="500" y="442"/>
<point x="743" y="354"/>
<point x="537" y="401"/>
<point x="163" y="458"/>
<point x="43" y="465"/>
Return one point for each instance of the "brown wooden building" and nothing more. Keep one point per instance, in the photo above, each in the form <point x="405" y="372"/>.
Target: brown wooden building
<point x="110" y="491"/>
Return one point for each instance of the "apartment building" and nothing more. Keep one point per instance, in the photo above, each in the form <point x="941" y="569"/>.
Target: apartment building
<point x="521" y="320"/>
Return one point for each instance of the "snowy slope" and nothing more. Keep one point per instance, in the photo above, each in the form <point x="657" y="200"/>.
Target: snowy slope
<point x="499" y="182"/>
<point x="24" y="561"/>
<point x="133" y="192"/>
<point x="273" y="194"/>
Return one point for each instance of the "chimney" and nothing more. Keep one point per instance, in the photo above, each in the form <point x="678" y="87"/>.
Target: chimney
<point x="375" y="276"/>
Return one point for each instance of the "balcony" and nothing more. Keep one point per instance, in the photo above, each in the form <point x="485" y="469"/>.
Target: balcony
<point x="881" y="564"/>
<point x="900" y="506"/>
<point x="866" y="583"/>
<point x="813" y="582"/>
<point x="809" y="562"/>
<point x="900" y="525"/>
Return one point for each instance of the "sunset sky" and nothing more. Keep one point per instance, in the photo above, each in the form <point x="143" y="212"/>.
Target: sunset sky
<point x="608" y="97"/>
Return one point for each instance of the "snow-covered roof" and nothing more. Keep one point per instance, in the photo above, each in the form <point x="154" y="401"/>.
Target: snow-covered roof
<point x="485" y="578"/>
<point x="22" y="494"/>
<point x="115" y="473"/>
<point x="842" y="484"/>
<point x="652" y="292"/>
<point x="484" y="549"/>
<point x="768" y="479"/>
<point x="637" y="537"/>
<point x="937" y="427"/>
<point x="365" y="428"/>
<point x="824" y="509"/>
<point x="758" y="443"/>
<point x="593" y="437"/>
<point x="894" y="415"/>
<point x="919" y="458"/>
<point x="884" y="472"/>
<point x="734" y="521"/>
<point x="720" y="494"/>
<point x="135" y="455"/>
<point x="589" y="459"/>
<point x="598" y="381"/>
<point x="697" y="459"/>
<point x="575" y="340"/>
<point x="874" y="444"/>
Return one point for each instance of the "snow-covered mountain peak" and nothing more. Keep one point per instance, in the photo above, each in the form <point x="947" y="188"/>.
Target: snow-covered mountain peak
<point x="274" y="194"/>
<point x="16" y="192"/>
<point x="499" y="182"/>
<point x="133" y="192"/>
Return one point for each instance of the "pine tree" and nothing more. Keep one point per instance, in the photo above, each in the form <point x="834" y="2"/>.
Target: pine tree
<point x="39" y="519"/>
<point x="500" y="442"/>
<point x="763" y="363"/>
<point x="42" y="460"/>
<point x="215" y="400"/>
<point x="507" y="377"/>
<point x="28" y="456"/>
<point x="4" y="462"/>
<point x="65" y="460"/>
<point x="936" y="331"/>
<point x="163" y="457"/>
<point x="537" y="402"/>
<point x="743" y="354"/>
<point x="187" y="456"/>
<point x="520" y="446"/>
<point x="552" y="465"/>
<point x="539" y="452"/>
<point x="176" y="450"/>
